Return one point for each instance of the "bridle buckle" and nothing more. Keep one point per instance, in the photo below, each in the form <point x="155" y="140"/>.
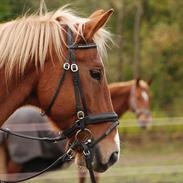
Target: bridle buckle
<point x="74" y="68"/>
<point x="70" y="153"/>
<point x="86" y="153"/>
<point x="42" y="113"/>
<point x="66" y="66"/>
<point x="80" y="115"/>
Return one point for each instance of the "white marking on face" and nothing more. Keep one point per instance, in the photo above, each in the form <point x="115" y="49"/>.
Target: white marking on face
<point x="145" y="96"/>
<point x="117" y="141"/>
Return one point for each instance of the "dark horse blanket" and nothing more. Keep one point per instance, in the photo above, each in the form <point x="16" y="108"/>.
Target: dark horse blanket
<point x="27" y="120"/>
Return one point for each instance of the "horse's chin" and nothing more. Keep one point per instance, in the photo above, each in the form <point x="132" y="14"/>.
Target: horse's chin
<point x="97" y="164"/>
<point x="144" y="123"/>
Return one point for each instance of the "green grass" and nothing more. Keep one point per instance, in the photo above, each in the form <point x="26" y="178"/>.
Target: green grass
<point x="154" y="113"/>
<point x="154" y="132"/>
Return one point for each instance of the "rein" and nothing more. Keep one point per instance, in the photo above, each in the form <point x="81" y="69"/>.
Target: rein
<point x="83" y="119"/>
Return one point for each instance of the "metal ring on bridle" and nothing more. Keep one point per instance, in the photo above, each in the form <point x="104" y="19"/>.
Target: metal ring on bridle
<point x="87" y="135"/>
<point x="74" y="68"/>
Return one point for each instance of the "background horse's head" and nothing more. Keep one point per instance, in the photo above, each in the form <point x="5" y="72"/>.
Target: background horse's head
<point x="140" y="101"/>
<point x="36" y="47"/>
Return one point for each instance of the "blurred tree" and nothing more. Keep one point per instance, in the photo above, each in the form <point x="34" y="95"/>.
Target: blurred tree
<point x="119" y="9"/>
<point x="5" y="10"/>
<point x="136" y="37"/>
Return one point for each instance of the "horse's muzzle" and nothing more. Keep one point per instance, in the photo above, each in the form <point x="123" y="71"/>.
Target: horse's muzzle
<point x="101" y="167"/>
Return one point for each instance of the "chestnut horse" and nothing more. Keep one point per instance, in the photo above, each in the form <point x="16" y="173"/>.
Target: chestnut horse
<point x="135" y="96"/>
<point x="131" y="95"/>
<point x="33" y="50"/>
<point x="122" y="94"/>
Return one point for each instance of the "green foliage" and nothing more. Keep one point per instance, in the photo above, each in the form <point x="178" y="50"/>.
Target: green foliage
<point x="5" y="9"/>
<point x="161" y="51"/>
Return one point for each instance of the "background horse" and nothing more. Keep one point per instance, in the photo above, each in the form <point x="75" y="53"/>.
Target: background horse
<point x="33" y="51"/>
<point x="135" y="96"/>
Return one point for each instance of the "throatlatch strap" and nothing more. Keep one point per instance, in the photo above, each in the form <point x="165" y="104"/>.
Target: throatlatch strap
<point x="48" y="110"/>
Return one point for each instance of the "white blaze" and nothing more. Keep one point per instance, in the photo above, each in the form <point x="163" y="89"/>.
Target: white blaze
<point x="145" y="96"/>
<point x="117" y="141"/>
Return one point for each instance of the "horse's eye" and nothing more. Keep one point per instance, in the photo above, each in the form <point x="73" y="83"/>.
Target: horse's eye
<point x="96" y="74"/>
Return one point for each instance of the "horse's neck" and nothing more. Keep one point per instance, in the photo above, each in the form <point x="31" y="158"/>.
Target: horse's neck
<point x="16" y="95"/>
<point x="120" y="95"/>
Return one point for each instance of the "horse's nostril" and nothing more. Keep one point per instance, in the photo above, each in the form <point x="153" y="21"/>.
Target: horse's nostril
<point x="113" y="158"/>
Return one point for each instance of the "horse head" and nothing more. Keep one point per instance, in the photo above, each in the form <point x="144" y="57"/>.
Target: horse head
<point x="140" y="101"/>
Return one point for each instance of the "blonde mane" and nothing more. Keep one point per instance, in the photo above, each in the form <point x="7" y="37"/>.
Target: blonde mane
<point x="31" y="38"/>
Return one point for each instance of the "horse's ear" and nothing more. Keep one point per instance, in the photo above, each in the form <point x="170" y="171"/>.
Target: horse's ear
<point x="95" y="23"/>
<point x="150" y="81"/>
<point x="138" y="81"/>
<point x="96" y="13"/>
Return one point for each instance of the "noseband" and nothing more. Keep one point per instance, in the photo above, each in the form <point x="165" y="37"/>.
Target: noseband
<point x="79" y="128"/>
<point x="133" y="104"/>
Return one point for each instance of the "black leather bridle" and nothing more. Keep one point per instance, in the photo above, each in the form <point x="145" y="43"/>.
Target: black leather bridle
<point x="83" y="119"/>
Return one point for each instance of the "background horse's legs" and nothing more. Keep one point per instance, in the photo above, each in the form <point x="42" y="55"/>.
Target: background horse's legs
<point x="3" y="167"/>
<point x="83" y="174"/>
<point x="97" y="177"/>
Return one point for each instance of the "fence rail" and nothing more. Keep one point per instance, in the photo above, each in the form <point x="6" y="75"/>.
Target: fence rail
<point x="164" y="121"/>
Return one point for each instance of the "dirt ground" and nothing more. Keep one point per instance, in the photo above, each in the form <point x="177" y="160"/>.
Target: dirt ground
<point x="152" y="162"/>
